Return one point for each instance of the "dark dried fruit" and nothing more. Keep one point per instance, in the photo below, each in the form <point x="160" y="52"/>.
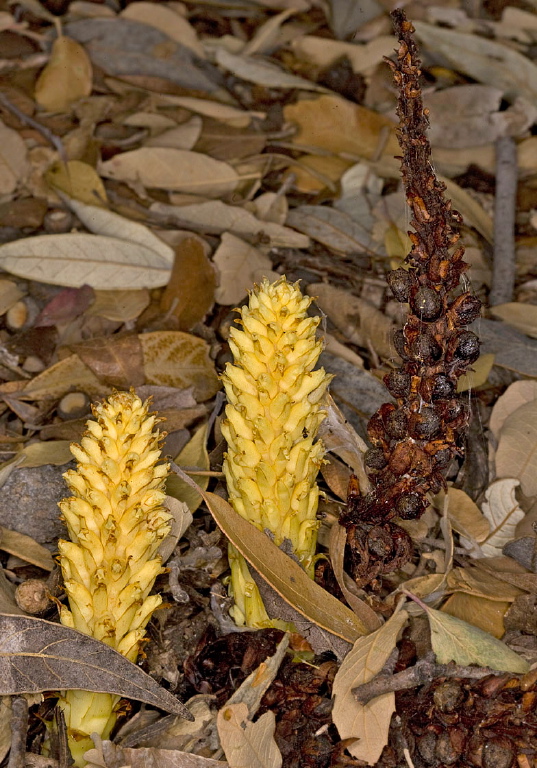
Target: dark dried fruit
<point x="375" y="459"/>
<point x="399" y="342"/>
<point x="443" y="458"/>
<point x="427" y="304"/>
<point x="454" y="410"/>
<point x="396" y="424"/>
<point x="498" y="752"/>
<point x="398" y="383"/>
<point x="465" y="346"/>
<point x="426" y="349"/>
<point x="465" y="309"/>
<point x="441" y="387"/>
<point x="448" y="696"/>
<point x="400" y="282"/>
<point x="427" y="747"/>
<point x="447" y="749"/>
<point x="426" y="424"/>
<point x="409" y="506"/>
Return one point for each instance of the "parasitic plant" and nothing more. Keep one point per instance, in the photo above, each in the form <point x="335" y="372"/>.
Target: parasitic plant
<point x="116" y="521"/>
<point x="274" y="411"/>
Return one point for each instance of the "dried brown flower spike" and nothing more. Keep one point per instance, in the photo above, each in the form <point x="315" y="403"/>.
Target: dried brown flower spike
<point x="415" y="440"/>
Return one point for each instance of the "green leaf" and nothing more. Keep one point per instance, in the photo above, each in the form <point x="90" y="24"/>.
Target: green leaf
<point x="455" y="640"/>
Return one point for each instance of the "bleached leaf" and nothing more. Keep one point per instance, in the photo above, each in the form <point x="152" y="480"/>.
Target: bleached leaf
<point x="13" y="159"/>
<point x="67" y="77"/>
<point x="216" y="216"/>
<point x="523" y="317"/>
<point x="175" y="169"/>
<point x="518" y="393"/>
<point x="325" y="52"/>
<point x="503" y="513"/>
<point x="262" y="72"/>
<point x="333" y="228"/>
<point x="120" y="306"/>
<point x="239" y="265"/>
<point x="79" y="181"/>
<point x="247" y="744"/>
<point x="225" y="113"/>
<point x="516" y="455"/>
<point x="101" y="221"/>
<point x="77" y="259"/>
<point x="484" y="60"/>
<point x="166" y="20"/>
<point x="368" y="724"/>
<point x="182" y="136"/>
<point x="455" y="640"/>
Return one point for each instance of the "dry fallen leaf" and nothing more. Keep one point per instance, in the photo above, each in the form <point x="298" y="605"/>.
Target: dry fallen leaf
<point x="67" y="77"/>
<point x="517" y="394"/>
<point x="176" y="169"/>
<point x="368" y="724"/>
<point x="247" y="744"/>
<point x="26" y="548"/>
<point x="464" y="515"/>
<point x="516" y="455"/>
<point x="478" y="611"/>
<point x="193" y="455"/>
<point x="523" y="317"/>
<point x="503" y="512"/>
<point x="78" y="180"/>
<point x="167" y="20"/>
<point x="119" y="306"/>
<point x="190" y="292"/>
<point x="239" y="266"/>
<point x="262" y="72"/>
<point x="14" y="165"/>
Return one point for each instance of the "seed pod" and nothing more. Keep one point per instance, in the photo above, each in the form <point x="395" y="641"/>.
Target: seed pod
<point x="426" y="349"/>
<point x="498" y="752"/>
<point x="400" y="344"/>
<point x="426" y="747"/>
<point x="464" y="346"/>
<point x="396" y="424"/>
<point x="448" y="747"/>
<point x="454" y="410"/>
<point x="465" y="309"/>
<point x="426" y="424"/>
<point x="409" y="506"/>
<point x="448" y="696"/>
<point x="398" y="383"/>
<point x="443" y="457"/>
<point x="400" y="281"/>
<point x="441" y="387"/>
<point x="375" y="459"/>
<point x="427" y="304"/>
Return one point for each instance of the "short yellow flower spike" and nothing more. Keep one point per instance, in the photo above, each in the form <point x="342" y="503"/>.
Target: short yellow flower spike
<point x="272" y="417"/>
<point x="116" y="521"/>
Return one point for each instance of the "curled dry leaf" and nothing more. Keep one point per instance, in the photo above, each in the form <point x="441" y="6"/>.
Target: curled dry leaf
<point x="368" y="724"/>
<point x="455" y="640"/>
<point x="325" y="52"/>
<point x="503" y="513"/>
<point x="247" y="744"/>
<point x="239" y="266"/>
<point x="37" y="655"/>
<point x="117" y="361"/>
<point x="516" y="455"/>
<point x="67" y="77"/>
<point x="175" y="169"/>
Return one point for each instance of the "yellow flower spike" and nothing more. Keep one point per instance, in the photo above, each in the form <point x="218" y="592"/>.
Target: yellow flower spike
<point x="116" y="522"/>
<point x="272" y="418"/>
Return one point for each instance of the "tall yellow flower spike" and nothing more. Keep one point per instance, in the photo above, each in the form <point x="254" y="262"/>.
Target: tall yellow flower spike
<point x="116" y="521"/>
<point x="272" y="417"/>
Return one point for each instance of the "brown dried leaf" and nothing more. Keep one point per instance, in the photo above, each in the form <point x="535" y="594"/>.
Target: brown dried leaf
<point x="368" y="724"/>
<point x="477" y="375"/>
<point x="193" y="455"/>
<point x="117" y="361"/>
<point x="478" y="611"/>
<point x="239" y="266"/>
<point x="516" y="455"/>
<point x="176" y="169"/>
<point x="523" y="317"/>
<point x="37" y="655"/>
<point x="190" y="292"/>
<point x="465" y="516"/>
<point x="119" y="306"/>
<point x="26" y="548"/>
<point x="67" y="77"/>
<point x="333" y="228"/>
<point x="168" y="21"/>
<point x="356" y="318"/>
<point x="109" y="755"/>
<point x="517" y="394"/>
<point x="503" y="513"/>
<point x="177" y="359"/>
<point x="14" y="164"/>
<point x="247" y="744"/>
<point x="78" y="180"/>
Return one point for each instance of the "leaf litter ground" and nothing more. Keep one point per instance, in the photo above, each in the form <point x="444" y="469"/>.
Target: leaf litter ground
<point x="191" y="150"/>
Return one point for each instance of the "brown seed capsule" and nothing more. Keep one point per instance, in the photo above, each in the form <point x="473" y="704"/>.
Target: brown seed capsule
<point x="426" y="747"/>
<point x="400" y="344"/>
<point x="448" y="747"/>
<point x="427" y="304"/>
<point x="465" y="309"/>
<point x="396" y="424"/>
<point x="426" y="424"/>
<point x="465" y="346"/>
<point x="498" y="752"/>
<point x="409" y="506"/>
<point x="441" y="387"/>
<point x="426" y="349"/>
<point x="374" y="458"/>
<point x="448" y="696"/>
<point x="398" y="383"/>
<point x="400" y="281"/>
<point x="443" y="457"/>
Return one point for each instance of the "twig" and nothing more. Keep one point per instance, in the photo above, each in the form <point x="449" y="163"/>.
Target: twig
<point x="422" y="672"/>
<point x="503" y="269"/>
<point x="19" y="731"/>
<point x="43" y="130"/>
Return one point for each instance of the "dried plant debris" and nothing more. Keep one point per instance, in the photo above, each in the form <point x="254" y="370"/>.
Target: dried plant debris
<point x="415" y="439"/>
